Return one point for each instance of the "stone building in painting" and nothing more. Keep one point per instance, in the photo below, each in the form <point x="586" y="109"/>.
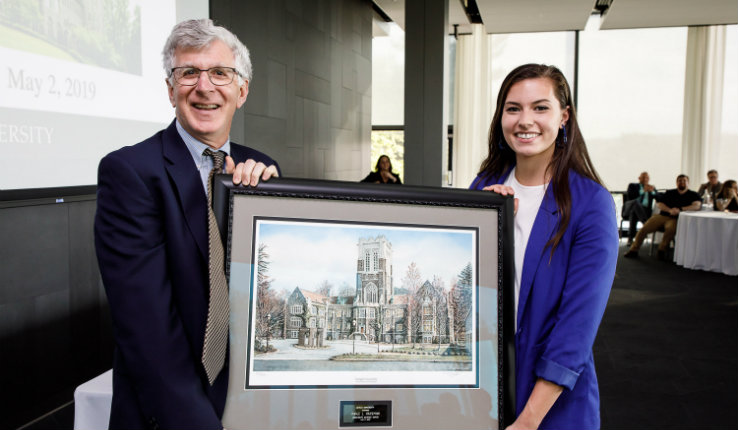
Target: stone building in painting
<point x="375" y="311"/>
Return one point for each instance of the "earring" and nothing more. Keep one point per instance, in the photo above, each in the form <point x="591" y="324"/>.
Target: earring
<point x="561" y="143"/>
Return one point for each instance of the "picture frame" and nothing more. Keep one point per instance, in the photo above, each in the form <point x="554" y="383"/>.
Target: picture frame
<point x="361" y="305"/>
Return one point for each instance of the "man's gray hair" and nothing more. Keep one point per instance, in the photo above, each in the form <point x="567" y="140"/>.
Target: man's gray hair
<point x="198" y="34"/>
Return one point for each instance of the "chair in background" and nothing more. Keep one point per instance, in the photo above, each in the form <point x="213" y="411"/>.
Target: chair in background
<point x="619" y="199"/>
<point x="654" y="243"/>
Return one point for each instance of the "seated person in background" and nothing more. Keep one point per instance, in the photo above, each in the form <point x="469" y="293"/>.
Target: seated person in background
<point x="727" y="199"/>
<point x="712" y="185"/>
<point x="669" y="205"/>
<point x="637" y="206"/>
<point x="383" y="173"/>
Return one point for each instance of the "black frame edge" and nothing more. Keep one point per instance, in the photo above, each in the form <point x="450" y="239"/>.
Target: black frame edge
<point x="224" y="190"/>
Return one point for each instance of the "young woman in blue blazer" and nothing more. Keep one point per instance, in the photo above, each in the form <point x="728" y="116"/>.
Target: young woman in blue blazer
<point x="566" y="244"/>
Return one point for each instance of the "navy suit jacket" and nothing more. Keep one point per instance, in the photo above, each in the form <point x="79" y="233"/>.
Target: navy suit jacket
<point x="634" y="190"/>
<point x="562" y="300"/>
<point x="151" y="238"/>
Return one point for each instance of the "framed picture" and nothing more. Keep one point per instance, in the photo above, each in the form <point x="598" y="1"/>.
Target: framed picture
<point x="360" y="305"/>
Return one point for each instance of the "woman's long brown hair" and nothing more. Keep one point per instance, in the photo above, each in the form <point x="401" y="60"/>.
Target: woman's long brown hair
<point x="571" y="155"/>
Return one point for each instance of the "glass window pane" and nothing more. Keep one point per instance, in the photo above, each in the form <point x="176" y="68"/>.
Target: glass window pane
<point x="630" y="103"/>
<point x="728" y="156"/>
<point x="388" y="77"/>
<point x="392" y="144"/>
<point x="508" y="51"/>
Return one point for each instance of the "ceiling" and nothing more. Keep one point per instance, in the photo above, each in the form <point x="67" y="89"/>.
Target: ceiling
<point x="669" y="13"/>
<point x="524" y="16"/>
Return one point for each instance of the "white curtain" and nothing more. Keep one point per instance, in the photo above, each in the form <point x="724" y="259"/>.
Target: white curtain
<point x="703" y="101"/>
<point x="473" y="104"/>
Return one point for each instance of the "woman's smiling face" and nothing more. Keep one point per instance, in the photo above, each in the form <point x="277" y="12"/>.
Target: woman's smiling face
<point x="532" y="117"/>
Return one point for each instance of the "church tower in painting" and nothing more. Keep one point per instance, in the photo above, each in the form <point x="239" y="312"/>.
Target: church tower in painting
<point x="374" y="271"/>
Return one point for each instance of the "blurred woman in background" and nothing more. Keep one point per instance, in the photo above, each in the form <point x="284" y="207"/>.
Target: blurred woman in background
<point x="383" y="173"/>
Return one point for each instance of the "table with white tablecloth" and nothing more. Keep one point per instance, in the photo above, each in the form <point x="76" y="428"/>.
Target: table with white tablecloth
<point x="707" y="240"/>
<point x="92" y="403"/>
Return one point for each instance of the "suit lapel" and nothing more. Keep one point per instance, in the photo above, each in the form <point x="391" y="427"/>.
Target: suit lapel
<point x="543" y="229"/>
<point x="239" y="153"/>
<point x="188" y="186"/>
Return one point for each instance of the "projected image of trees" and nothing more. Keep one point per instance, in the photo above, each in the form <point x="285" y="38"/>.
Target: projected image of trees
<point x="105" y="33"/>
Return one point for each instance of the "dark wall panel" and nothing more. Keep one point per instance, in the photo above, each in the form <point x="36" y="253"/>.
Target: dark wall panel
<point x="35" y="245"/>
<point x="309" y="103"/>
<point x="54" y="323"/>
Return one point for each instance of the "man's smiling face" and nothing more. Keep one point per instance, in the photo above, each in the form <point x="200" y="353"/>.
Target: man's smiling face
<point x="206" y="110"/>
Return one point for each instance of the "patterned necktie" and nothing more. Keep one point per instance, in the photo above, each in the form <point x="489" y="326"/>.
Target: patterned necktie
<point x="216" y="329"/>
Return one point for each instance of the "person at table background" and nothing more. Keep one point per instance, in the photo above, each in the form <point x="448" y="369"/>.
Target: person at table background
<point x="383" y="173"/>
<point x="712" y="185"/>
<point x="727" y="199"/>
<point x="639" y="200"/>
<point x="669" y="205"/>
<point x="152" y="238"/>
<point x="566" y="242"/>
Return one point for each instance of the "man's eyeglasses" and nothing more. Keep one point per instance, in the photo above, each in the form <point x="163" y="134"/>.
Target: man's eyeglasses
<point x="217" y="75"/>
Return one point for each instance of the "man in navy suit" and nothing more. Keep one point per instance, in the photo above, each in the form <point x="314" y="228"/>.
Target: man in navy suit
<point x="637" y="206"/>
<point x="151" y="235"/>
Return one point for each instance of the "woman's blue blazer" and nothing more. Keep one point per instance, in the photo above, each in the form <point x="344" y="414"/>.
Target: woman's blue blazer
<point x="562" y="299"/>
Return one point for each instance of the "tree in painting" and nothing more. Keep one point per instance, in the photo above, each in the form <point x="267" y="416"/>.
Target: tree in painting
<point x="412" y="282"/>
<point x="461" y="302"/>
<point x="377" y="324"/>
<point x="325" y="288"/>
<point x="441" y="310"/>
<point x="269" y="305"/>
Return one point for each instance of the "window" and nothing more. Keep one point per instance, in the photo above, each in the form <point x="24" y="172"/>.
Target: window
<point x="312" y="322"/>
<point x="427" y="325"/>
<point x="644" y="74"/>
<point x="296" y="309"/>
<point x="295" y="322"/>
<point x="366" y="262"/>
<point x="388" y="313"/>
<point x="398" y="313"/>
<point x="371" y="313"/>
<point x="320" y="323"/>
<point x="388" y="62"/>
<point x="427" y="310"/>
<point x="321" y="312"/>
<point x="375" y="261"/>
<point x="388" y="101"/>
<point x="398" y="327"/>
<point x="513" y="49"/>
<point x="362" y="313"/>
<point x="371" y="293"/>
<point x="338" y="313"/>
<point x="293" y="334"/>
<point x="313" y="310"/>
<point x="727" y="167"/>
<point x="389" y="142"/>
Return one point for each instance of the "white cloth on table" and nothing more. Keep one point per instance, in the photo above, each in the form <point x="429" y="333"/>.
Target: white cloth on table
<point x="707" y="241"/>
<point x="92" y="403"/>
